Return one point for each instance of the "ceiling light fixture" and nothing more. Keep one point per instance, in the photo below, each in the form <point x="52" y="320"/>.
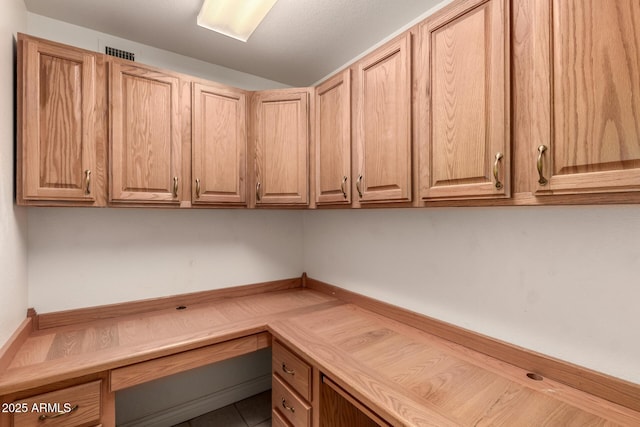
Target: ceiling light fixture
<point x="234" y="18"/>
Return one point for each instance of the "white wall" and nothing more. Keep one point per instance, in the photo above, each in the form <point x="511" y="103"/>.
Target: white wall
<point x="13" y="256"/>
<point x="62" y="32"/>
<point x="81" y="257"/>
<point x="562" y="281"/>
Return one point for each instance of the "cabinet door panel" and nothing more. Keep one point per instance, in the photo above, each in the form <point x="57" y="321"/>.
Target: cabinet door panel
<point x="219" y="145"/>
<point x="281" y="147"/>
<point x="384" y="124"/>
<point x="58" y="123"/>
<point x="333" y="140"/>
<point x="466" y="58"/>
<point x="145" y="138"/>
<point x="588" y="109"/>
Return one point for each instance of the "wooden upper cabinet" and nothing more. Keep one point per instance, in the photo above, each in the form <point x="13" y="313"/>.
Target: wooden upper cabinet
<point x="219" y="146"/>
<point x="586" y="104"/>
<point x="281" y="144"/>
<point x="146" y="162"/>
<point x="464" y="102"/>
<point x="333" y="140"/>
<point x="59" y="124"/>
<point x="383" y="135"/>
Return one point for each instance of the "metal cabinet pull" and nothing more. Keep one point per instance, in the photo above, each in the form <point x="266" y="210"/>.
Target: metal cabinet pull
<point x="258" y="198"/>
<point x="541" y="150"/>
<point x="175" y="186"/>
<point x="59" y="414"/>
<point x="287" y="371"/>
<point x="496" y="164"/>
<point x="197" y="188"/>
<point x="288" y="408"/>
<point x="358" y="186"/>
<point x="343" y="187"/>
<point x="87" y="182"/>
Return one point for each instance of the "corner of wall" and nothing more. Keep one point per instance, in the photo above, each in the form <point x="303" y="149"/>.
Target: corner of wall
<point x="13" y="219"/>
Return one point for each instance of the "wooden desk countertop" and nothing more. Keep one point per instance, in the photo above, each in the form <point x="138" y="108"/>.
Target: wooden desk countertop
<point x="405" y="375"/>
<point x="56" y="354"/>
<point x="413" y="378"/>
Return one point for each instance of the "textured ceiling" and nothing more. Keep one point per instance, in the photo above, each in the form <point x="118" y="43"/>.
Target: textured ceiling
<point x="298" y="43"/>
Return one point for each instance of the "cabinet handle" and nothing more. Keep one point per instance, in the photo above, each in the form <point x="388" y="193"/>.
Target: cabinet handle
<point x="287" y="371"/>
<point x="541" y="150"/>
<point x="358" y="186"/>
<point x="87" y="182"/>
<point x="288" y="408"/>
<point x="258" y="198"/>
<point x="343" y="187"/>
<point x="59" y="414"/>
<point x="197" y="188"/>
<point x="175" y="186"/>
<point x="496" y="165"/>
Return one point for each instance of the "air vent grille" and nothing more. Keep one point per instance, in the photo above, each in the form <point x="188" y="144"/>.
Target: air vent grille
<point x="119" y="53"/>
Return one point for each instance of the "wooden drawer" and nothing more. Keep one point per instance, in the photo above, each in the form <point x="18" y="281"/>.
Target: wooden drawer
<point x="292" y="369"/>
<point x="278" y="420"/>
<point x="292" y="408"/>
<point x="72" y="407"/>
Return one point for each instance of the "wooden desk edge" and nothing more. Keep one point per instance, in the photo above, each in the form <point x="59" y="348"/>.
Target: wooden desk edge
<point x="15" y="341"/>
<point x="138" y="373"/>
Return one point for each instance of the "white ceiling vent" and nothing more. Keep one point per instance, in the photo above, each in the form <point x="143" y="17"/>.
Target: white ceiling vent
<point x="119" y="53"/>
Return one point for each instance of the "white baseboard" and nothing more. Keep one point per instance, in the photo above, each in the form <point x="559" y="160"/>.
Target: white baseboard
<point x="195" y="408"/>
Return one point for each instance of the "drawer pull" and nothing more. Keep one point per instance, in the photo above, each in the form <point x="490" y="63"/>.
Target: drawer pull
<point x="87" y="182"/>
<point x="542" y="180"/>
<point x="287" y="371"/>
<point x="288" y="408"/>
<point x="59" y="414"/>
<point x="358" y="186"/>
<point x="197" y="188"/>
<point x="175" y="186"/>
<point x="343" y="186"/>
<point x="496" y="171"/>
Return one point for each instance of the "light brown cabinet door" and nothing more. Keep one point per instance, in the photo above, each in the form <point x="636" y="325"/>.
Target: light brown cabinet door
<point x="57" y="124"/>
<point x="333" y="140"/>
<point x="219" y="146"/>
<point x="383" y="142"/>
<point x="464" y="145"/>
<point x="586" y="108"/>
<point x="281" y="132"/>
<point x="146" y="162"/>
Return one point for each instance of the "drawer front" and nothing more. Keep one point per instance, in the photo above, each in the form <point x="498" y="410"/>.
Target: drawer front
<point x="292" y="408"/>
<point x="69" y="407"/>
<point x="277" y="420"/>
<point x="292" y="369"/>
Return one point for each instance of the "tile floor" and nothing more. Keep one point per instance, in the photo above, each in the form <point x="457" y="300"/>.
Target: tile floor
<point x="254" y="411"/>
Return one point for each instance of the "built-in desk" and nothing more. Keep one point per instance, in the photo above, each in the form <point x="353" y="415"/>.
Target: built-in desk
<point x="398" y="373"/>
<point x="409" y="377"/>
